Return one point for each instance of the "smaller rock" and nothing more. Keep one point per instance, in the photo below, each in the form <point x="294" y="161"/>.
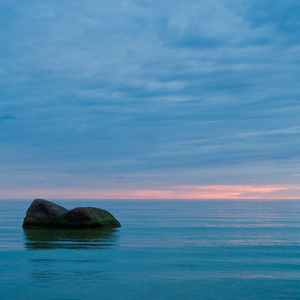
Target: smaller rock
<point x="90" y="217"/>
<point x="46" y="214"/>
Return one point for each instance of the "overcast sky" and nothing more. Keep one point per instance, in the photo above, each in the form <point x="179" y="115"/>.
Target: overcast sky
<point x="149" y="99"/>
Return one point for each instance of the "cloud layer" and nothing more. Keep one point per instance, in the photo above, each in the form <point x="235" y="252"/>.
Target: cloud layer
<point x="143" y="94"/>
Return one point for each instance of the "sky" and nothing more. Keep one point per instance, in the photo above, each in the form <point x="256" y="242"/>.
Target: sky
<point x="137" y="99"/>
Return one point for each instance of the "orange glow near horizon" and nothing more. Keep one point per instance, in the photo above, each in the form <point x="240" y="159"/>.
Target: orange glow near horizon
<point x="192" y="192"/>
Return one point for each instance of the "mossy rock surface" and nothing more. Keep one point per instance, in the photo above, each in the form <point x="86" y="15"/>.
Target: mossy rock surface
<point x="46" y="214"/>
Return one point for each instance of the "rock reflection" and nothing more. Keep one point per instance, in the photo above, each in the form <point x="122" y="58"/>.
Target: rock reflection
<point x="70" y="239"/>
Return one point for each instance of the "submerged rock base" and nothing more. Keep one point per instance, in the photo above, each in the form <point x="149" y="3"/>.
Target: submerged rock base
<point x="46" y="214"/>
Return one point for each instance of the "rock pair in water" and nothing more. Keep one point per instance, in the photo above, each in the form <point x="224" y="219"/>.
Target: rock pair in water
<point x="46" y="214"/>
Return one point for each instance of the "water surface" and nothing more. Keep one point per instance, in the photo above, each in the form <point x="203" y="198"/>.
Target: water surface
<point x="164" y="250"/>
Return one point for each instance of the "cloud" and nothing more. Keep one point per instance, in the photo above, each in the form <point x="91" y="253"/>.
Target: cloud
<point x="204" y="91"/>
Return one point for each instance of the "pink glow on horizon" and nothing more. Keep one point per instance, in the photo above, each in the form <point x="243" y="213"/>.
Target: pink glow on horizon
<point x="175" y="192"/>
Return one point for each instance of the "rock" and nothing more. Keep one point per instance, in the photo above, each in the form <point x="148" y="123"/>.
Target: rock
<point x="90" y="217"/>
<point x="42" y="212"/>
<point x="46" y="214"/>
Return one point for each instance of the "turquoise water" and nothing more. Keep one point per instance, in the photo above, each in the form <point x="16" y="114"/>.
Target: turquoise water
<point x="164" y="250"/>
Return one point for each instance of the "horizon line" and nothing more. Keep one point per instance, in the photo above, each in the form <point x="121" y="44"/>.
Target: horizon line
<point x="179" y="192"/>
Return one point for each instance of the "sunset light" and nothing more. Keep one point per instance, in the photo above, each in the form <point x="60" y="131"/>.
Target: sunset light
<point x="176" y="192"/>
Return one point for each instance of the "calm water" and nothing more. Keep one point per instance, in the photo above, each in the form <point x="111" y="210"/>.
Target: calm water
<point x="164" y="250"/>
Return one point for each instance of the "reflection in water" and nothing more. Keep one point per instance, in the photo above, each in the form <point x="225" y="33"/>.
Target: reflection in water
<point x="70" y="239"/>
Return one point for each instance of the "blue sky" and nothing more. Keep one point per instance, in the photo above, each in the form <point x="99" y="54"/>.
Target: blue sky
<point x="154" y="96"/>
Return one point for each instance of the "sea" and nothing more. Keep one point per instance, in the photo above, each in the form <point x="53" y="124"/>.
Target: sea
<point x="183" y="249"/>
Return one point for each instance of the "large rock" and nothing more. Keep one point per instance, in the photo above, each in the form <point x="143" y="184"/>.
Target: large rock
<point x="46" y="214"/>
